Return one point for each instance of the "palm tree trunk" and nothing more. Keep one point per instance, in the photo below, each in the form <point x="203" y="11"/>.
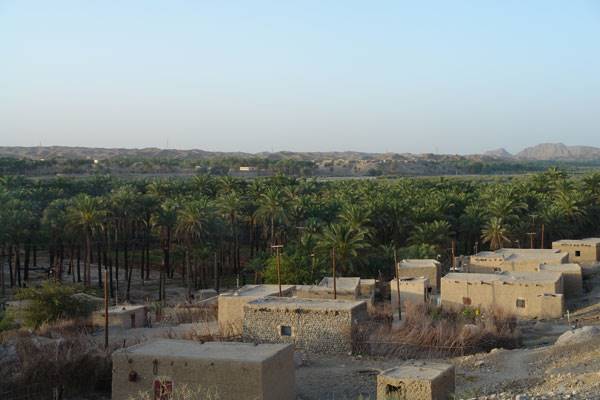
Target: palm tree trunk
<point x="187" y="272"/>
<point x="26" y="262"/>
<point x="10" y="266"/>
<point x="78" y="263"/>
<point x="88" y="258"/>
<point x="99" y="262"/>
<point x="18" y="264"/>
<point x="35" y="255"/>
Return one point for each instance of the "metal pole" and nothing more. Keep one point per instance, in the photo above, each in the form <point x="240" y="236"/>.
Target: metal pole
<point x="397" y="284"/>
<point x="453" y="254"/>
<point x="333" y="268"/>
<point x="105" y="309"/>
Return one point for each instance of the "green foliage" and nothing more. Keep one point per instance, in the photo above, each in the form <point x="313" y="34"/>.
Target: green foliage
<point x="50" y="302"/>
<point x="295" y="269"/>
<point x="7" y="321"/>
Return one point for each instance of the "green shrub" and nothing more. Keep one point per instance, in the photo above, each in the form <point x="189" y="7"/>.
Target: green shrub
<point x="6" y="321"/>
<point x="50" y="302"/>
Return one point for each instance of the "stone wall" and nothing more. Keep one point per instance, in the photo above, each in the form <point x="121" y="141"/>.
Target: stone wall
<point x="417" y="381"/>
<point x="328" y="330"/>
<point x="123" y="317"/>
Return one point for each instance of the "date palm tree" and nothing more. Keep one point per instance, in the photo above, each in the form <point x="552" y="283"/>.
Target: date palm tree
<point x="495" y="234"/>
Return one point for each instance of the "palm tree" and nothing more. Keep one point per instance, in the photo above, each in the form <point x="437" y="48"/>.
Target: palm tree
<point x="85" y="216"/>
<point x="346" y="242"/>
<point x="193" y="221"/>
<point x="495" y="234"/>
<point x="230" y="205"/>
<point x="165" y="219"/>
<point x="272" y="210"/>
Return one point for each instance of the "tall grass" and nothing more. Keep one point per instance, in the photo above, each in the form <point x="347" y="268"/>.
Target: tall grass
<point x="429" y="331"/>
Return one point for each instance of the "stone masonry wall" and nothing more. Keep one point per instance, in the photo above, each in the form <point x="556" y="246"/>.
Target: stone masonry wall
<point x="328" y="331"/>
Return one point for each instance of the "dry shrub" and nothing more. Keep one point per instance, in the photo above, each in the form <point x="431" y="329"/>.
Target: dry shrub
<point x="180" y="392"/>
<point x="185" y="314"/>
<point x="429" y="331"/>
<point x="69" y="366"/>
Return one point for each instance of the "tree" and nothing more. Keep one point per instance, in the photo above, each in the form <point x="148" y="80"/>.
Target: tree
<point x="85" y="216"/>
<point x="346" y="242"/>
<point x="495" y="234"/>
<point x="193" y="220"/>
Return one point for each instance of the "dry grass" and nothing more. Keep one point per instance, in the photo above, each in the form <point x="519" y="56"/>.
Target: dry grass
<point x="71" y="365"/>
<point x="429" y="331"/>
<point x="186" y="314"/>
<point x="180" y="392"/>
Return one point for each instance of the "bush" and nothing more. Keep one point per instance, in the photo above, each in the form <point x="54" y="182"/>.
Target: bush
<point x="6" y="321"/>
<point x="50" y="302"/>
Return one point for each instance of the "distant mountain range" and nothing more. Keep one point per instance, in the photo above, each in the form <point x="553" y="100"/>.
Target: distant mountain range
<point x="540" y="152"/>
<point x="550" y="152"/>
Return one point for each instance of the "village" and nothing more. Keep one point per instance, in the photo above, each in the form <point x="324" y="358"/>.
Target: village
<point x="268" y="335"/>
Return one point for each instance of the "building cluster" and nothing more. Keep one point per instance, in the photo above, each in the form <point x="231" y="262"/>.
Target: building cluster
<point x="273" y="320"/>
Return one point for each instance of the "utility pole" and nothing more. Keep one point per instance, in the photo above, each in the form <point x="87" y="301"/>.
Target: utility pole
<point x="453" y="254"/>
<point x="476" y="248"/>
<point x="333" y="268"/>
<point x="312" y="271"/>
<point x="542" y="237"/>
<point x="106" y="309"/>
<point x="397" y="284"/>
<point x="531" y="236"/>
<point x="278" y="256"/>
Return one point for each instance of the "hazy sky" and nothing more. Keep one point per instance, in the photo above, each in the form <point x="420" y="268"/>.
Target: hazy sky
<point x="421" y="76"/>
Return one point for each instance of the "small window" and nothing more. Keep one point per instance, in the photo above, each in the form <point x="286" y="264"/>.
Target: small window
<point x="398" y="392"/>
<point x="467" y="301"/>
<point x="497" y="269"/>
<point x="520" y="303"/>
<point x="577" y="253"/>
<point x="285" y="330"/>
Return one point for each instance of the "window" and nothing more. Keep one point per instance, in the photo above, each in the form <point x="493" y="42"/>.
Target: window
<point x="396" y="392"/>
<point x="133" y="320"/>
<point x="467" y="301"/>
<point x="577" y="253"/>
<point x="285" y="330"/>
<point x="520" y="303"/>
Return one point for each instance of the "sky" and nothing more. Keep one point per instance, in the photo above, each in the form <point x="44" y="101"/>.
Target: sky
<point x="376" y="76"/>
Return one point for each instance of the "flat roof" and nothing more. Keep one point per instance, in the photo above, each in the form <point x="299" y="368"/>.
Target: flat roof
<point x="287" y="303"/>
<point x="417" y="370"/>
<point x="419" y="263"/>
<point x="191" y="349"/>
<point x="512" y="277"/>
<point x="123" y="308"/>
<point x="325" y="289"/>
<point x="561" y="267"/>
<point x="408" y="280"/>
<point x="522" y="254"/>
<point x="590" y="241"/>
<point x="259" y="290"/>
<point x="349" y="283"/>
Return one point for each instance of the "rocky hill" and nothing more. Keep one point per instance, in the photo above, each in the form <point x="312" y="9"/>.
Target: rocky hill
<point x="559" y="151"/>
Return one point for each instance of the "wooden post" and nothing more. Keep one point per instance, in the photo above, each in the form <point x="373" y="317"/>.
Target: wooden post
<point x="453" y="263"/>
<point x="278" y="264"/>
<point x="397" y="284"/>
<point x="542" y="238"/>
<point x="105" y="309"/>
<point x="333" y="269"/>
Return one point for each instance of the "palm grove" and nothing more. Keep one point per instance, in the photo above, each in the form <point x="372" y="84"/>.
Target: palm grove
<point x="208" y="230"/>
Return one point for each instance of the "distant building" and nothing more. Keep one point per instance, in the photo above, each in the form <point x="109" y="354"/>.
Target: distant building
<point x="584" y="251"/>
<point x="524" y="294"/>
<point x="426" y="268"/>
<point x="513" y="260"/>
<point x="248" y="169"/>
